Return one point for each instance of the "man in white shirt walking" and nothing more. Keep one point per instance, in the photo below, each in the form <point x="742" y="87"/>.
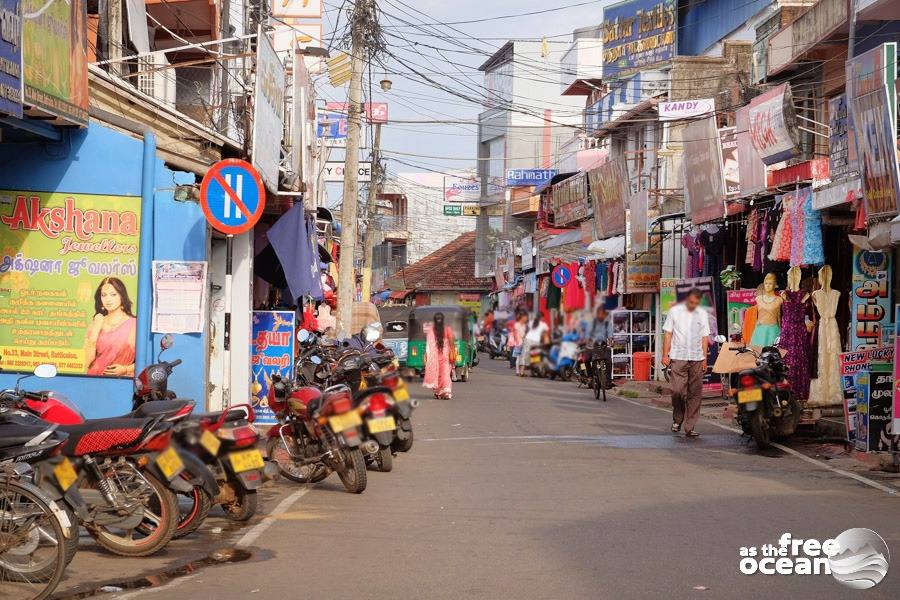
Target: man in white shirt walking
<point x="685" y="348"/>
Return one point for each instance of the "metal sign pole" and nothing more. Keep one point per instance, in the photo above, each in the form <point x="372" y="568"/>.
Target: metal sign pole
<point x="226" y="358"/>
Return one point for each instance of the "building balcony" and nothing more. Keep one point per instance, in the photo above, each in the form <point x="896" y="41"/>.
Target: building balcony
<point x="525" y="207"/>
<point x="581" y="67"/>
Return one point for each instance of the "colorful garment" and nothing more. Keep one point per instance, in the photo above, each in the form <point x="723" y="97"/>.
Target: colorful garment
<point x="798" y="230"/>
<point x="826" y="389"/>
<point x="752" y="232"/>
<point x="437" y="361"/>
<point x="781" y="243"/>
<point x="795" y="341"/>
<point x="813" y="252"/>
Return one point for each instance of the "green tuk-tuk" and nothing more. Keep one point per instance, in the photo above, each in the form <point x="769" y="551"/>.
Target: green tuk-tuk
<point x="460" y="321"/>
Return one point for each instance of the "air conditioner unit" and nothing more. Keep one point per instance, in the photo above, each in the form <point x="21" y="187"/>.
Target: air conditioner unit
<point x="156" y="78"/>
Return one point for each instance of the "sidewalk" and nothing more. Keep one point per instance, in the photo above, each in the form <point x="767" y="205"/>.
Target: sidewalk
<point x="819" y="440"/>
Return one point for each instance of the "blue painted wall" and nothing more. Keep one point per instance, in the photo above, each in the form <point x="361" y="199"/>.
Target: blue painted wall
<point x="98" y="160"/>
<point x="704" y="23"/>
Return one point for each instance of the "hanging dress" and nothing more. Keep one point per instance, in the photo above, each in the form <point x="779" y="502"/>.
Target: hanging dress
<point x="813" y="252"/>
<point x="826" y="389"/>
<point x="781" y="244"/>
<point x="795" y="341"/>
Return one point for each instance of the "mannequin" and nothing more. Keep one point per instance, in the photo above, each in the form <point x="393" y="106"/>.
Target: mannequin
<point x="768" y="313"/>
<point x="794" y="336"/>
<point x="826" y="390"/>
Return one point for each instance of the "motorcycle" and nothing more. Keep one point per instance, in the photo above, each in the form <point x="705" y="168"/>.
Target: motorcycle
<point x="767" y="407"/>
<point x="115" y="474"/>
<point x="538" y="360"/>
<point x="318" y="433"/>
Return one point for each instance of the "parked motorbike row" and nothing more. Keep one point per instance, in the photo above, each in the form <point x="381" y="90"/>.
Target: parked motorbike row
<point x="347" y="409"/>
<point x="568" y="359"/>
<point x="133" y="482"/>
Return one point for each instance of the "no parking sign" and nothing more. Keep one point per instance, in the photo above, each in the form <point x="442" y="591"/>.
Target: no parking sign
<point x="232" y="196"/>
<point x="561" y="276"/>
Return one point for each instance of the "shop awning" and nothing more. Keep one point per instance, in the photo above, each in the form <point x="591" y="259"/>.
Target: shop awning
<point x="400" y="294"/>
<point x="564" y="238"/>
<point x="613" y="247"/>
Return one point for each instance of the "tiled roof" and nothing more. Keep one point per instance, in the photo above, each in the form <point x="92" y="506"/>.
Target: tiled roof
<point x="451" y="267"/>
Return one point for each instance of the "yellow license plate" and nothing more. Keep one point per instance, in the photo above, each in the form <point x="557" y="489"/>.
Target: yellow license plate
<point x="396" y="363"/>
<point x="345" y="421"/>
<point x="246" y="460"/>
<point x="754" y="395"/>
<point x="401" y="394"/>
<point x="381" y="424"/>
<point x="65" y="474"/>
<point x="169" y="463"/>
<point x="210" y="443"/>
<point x="535" y="360"/>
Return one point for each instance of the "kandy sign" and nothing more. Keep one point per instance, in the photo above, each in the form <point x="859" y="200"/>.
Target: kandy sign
<point x="686" y="109"/>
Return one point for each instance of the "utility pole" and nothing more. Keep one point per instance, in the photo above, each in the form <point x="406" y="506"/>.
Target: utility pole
<point x="115" y="36"/>
<point x="371" y="206"/>
<point x="349" y="210"/>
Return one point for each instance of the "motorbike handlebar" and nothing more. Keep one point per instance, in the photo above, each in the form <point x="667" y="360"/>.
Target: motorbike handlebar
<point x="174" y="363"/>
<point x="34" y="396"/>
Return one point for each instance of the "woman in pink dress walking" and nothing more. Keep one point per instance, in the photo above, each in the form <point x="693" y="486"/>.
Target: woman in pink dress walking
<point x="109" y="347"/>
<point x="440" y="355"/>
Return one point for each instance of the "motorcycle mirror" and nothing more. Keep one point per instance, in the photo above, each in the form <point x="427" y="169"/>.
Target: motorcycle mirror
<point x="721" y="339"/>
<point x="315" y="360"/>
<point x="302" y="335"/>
<point x="166" y="342"/>
<point x="45" y="371"/>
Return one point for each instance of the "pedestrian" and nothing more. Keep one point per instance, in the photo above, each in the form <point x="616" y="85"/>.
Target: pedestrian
<point x="516" y="336"/>
<point x="685" y="347"/>
<point x="488" y="323"/>
<point x="535" y="337"/>
<point x="598" y="333"/>
<point x="440" y="356"/>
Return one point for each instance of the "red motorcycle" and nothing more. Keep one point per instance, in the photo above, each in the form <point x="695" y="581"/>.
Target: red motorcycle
<point x="318" y="432"/>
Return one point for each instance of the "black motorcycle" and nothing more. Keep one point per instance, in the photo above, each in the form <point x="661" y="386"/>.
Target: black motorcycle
<point x="768" y="410"/>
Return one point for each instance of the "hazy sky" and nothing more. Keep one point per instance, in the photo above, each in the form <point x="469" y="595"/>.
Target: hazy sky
<point x="411" y="100"/>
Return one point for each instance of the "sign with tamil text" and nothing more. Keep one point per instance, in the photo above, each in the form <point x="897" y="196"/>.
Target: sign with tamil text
<point x="11" y="57"/>
<point x="271" y="352"/>
<point x="69" y="281"/>
<point x="870" y="298"/>
<point x="637" y="34"/>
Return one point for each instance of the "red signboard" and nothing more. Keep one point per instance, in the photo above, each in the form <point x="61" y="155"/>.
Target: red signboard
<point x="376" y="112"/>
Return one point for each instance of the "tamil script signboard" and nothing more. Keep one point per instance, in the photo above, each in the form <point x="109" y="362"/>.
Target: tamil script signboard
<point x="870" y="298"/>
<point x="69" y="271"/>
<point x="638" y="34"/>
<point x="271" y="353"/>
<point x="11" y="58"/>
<point x="520" y="177"/>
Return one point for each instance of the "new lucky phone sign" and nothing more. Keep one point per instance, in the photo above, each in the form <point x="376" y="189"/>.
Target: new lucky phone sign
<point x="232" y="196"/>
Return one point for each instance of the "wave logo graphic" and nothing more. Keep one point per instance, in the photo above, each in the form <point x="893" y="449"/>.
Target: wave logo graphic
<point x="863" y="559"/>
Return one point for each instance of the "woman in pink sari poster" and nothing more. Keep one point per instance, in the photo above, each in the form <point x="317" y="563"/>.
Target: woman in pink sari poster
<point x="109" y="347"/>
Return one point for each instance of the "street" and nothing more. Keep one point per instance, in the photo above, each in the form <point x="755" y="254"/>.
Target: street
<point x="527" y="488"/>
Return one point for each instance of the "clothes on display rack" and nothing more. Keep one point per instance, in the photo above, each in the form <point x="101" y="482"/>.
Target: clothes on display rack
<point x="751" y="233"/>
<point x="781" y="243"/>
<point x="695" y="260"/>
<point x="601" y="276"/>
<point x="795" y="340"/>
<point x="554" y="295"/>
<point x="813" y="253"/>
<point x="590" y="281"/>
<point x="573" y="297"/>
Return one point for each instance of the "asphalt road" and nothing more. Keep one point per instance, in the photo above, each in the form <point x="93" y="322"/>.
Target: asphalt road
<point x="523" y="488"/>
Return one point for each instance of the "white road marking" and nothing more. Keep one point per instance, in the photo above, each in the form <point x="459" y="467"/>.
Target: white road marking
<point x="251" y="536"/>
<point x="791" y="451"/>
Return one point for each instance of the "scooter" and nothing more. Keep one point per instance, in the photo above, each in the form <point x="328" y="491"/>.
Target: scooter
<point x="767" y="406"/>
<point x="496" y="343"/>
<point x="561" y="361"/>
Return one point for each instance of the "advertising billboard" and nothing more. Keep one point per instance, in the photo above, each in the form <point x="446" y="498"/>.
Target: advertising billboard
<point x="638" y="34"/>
<point x="271" y="352"/>
<point x="608" y="188"/>
<point x="68" y="282"/>
<point x="773" y="127"/>
<point x="11" y="58"/>
<point x="268" y="113"/>
<point x="870" y="298"/>
<point x="702" y="172"/>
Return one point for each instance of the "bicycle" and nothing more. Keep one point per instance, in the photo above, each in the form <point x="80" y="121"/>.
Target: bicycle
<point x="32" y="534"/>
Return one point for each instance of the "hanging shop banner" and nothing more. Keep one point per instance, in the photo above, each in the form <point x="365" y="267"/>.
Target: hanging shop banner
<point x="642" y="271"/>
<point x="11" y="57"/>
<point x="842" y="157"/>
<point x="461" y="188"/>
<point x="873" y="106"/>
<point x="702" y="173"/>
<point x="773" y="125"/>
<point x="268" y="114"/>
<point x="638" y="221"/>
<point x="570" y="200"/>
<point x="609" y="188"/>
<point x="520" y="177"/>
<point x="728" y="159"/>
<point x="852" y="364"/>
<point x="739" y="301"/>
<point x="179" y="296"/>
<point x="271" y="352"/>
<point x="638" y="34"/>
<point x="751" y="167"/>
<point x="870" y="299"/>
<point x="56" y="67"/>
<point x="686" y="109"/>
<point x="69" y="276"/>
<point x="527" y="253"/>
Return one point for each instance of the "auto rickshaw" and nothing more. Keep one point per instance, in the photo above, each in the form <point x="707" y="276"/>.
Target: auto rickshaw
<point x="395" y="320"/>
<point x="460" y="321"/>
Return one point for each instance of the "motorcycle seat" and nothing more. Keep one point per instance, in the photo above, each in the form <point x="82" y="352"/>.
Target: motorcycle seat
<point x="234" y="414"/>
<point x="101" y="435"/>
<point x="158" y="408"/>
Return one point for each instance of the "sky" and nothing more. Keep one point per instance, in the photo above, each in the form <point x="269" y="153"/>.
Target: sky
<point x="454" y="65"/>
